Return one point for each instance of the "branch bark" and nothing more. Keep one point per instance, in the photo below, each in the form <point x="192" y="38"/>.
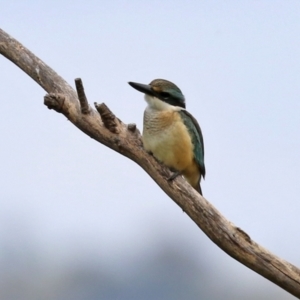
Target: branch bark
<point x="102" y="125"/>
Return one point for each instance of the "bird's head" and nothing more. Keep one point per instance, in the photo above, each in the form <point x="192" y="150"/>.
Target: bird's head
<point x="161" y="90"/>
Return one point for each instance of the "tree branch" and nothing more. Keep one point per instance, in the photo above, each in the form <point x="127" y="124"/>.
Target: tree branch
<point x="103" y="126"/>
<point x="85" y="109"/>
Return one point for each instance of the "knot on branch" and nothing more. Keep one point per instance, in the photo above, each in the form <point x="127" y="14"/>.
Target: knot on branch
<point x="84" y="105"/>
<point x="131" y="127"/>
<point x="54" y="101"/>
<point x="245" y="236"/>
<point x="109" y="120"/>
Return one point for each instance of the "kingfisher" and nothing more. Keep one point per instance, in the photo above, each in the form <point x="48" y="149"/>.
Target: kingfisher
<point x="170" y="132"/>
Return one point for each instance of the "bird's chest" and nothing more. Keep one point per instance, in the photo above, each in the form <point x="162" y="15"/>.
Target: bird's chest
<point x="159" y="128"/>
<point x="165" y="135"/>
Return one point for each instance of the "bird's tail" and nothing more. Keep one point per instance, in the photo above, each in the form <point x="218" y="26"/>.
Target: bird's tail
<point x="198" y="188"/>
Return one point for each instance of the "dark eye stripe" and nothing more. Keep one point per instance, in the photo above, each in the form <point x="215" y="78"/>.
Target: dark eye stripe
<point x="165" y="94"/>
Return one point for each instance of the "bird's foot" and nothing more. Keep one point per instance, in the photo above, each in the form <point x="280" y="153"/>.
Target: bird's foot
<point x="173" y="176"/>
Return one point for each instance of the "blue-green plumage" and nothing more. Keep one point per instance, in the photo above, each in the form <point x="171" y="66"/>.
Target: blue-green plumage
<point x="197" y="138"/>
<point x="170" y="132"/>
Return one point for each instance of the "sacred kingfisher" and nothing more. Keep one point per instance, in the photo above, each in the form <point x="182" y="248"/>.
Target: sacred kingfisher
<point x="170" y="132"/>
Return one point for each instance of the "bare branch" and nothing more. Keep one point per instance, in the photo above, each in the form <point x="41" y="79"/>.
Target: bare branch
<point x="85" y="109"/>
<point x="131" y="127"/>
<point x="54" y="101"/>
<point x="109" y="119"/>
<point x="126" y="140"/>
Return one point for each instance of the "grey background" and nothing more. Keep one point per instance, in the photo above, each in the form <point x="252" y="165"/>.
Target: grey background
<point x="79" y="221"/>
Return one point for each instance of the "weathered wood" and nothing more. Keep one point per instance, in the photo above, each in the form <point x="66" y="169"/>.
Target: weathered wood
<point x="84" y="105"/>
<point x="110" y="131"/>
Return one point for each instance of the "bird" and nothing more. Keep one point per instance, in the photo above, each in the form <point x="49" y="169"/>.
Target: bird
<point x="170" y="132"/>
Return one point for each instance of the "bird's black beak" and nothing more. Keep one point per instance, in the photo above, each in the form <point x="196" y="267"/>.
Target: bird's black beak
<point x="144" y="88"/>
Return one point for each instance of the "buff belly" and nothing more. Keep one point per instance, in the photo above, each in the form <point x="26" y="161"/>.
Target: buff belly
<point x="166" y="136"/>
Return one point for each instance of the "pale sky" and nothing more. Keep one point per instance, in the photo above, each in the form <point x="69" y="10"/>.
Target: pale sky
<point x="67" y="200"/>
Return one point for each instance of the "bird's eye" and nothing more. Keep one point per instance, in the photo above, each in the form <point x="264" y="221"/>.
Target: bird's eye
<point x="165" y="95"/>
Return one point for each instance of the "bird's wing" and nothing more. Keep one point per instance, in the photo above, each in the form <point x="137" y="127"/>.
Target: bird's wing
<point x="197" y="138"/>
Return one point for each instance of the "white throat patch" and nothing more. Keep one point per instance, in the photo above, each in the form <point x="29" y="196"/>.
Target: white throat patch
<point x="155" y="103"/>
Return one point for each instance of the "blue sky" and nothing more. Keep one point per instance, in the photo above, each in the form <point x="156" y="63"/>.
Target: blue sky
<point x="66" y="198"/>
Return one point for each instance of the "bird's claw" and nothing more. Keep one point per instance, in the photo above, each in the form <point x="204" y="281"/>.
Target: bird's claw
<point x="173" y="176"/>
